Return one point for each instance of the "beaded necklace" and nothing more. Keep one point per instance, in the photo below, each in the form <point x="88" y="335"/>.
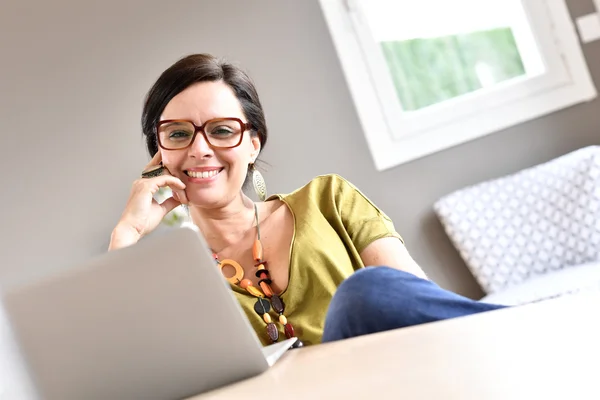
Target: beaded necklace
<point x="266" y="296"/>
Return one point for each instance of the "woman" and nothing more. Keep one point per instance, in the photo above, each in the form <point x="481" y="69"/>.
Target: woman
<point x="296" y="262"/>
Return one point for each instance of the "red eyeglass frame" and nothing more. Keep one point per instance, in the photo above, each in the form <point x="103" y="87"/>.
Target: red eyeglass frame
<point x="245" y="126"/>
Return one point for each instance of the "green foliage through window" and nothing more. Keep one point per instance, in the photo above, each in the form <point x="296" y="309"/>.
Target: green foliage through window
<point x="429" y="71"/>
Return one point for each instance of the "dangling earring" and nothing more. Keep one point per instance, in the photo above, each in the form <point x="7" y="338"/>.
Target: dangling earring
<point x="260" y="187"/>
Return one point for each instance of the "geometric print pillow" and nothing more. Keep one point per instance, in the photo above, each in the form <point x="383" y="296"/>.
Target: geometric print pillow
<point x="541" y="219"/>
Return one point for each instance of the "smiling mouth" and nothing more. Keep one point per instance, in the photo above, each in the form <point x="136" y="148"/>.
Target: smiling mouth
<point x="203" y="174"/>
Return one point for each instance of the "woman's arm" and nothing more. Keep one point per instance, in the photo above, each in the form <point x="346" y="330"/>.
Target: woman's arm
<point x="390" y="252"/>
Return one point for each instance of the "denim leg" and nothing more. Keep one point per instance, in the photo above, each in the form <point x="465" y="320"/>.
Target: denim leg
<point x="376" y="299"/>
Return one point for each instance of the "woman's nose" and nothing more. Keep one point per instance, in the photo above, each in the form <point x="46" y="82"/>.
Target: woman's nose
<point x="200" y="147"/>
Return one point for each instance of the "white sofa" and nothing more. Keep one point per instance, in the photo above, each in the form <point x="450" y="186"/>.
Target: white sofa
<point x="532" y="235"/>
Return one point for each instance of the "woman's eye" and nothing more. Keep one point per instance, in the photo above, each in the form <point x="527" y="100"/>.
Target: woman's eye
<point x="179" y="135"/>
<point x="223" y="131"/>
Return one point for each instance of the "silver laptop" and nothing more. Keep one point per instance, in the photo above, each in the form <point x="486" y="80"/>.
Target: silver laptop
<point x="156" y="320"/>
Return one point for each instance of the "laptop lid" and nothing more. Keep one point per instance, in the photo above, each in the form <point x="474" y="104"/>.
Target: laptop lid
<point x="155" y="320"/>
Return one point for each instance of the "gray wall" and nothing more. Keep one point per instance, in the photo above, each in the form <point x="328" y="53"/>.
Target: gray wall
<point x="72" y="79"/>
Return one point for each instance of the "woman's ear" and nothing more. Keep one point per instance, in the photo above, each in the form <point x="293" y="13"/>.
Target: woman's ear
<point x="256" y="146"/>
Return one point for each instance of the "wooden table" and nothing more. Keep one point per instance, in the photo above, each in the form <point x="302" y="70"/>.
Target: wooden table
<point x="547" y="350"/>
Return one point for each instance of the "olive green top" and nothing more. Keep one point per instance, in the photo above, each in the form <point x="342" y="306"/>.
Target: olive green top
<point x="333" y="223"/>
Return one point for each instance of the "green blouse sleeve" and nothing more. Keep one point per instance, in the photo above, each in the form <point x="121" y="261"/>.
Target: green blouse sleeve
<point x="363" y="221"/>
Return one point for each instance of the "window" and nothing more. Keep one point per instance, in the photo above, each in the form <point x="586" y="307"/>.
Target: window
<point x="430" y="74"/>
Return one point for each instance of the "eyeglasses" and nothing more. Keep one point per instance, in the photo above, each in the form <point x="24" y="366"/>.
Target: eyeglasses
<point x="222" y="133"/>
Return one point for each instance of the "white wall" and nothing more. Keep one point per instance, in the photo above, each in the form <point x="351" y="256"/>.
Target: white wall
<point x="73" y="75"/>
<point x="72" y="79"/>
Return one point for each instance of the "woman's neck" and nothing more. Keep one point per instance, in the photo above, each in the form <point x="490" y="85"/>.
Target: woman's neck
<point x="227" y="225"/>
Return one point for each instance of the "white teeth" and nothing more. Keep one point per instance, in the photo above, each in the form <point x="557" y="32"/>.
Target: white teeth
<point x="203" y="174"/>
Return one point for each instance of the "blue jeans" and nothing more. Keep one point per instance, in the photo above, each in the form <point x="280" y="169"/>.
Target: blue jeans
<point x="376" y="299"/>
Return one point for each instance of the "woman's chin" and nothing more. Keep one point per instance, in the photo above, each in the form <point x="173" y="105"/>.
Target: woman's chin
<point x="205" y="201"/>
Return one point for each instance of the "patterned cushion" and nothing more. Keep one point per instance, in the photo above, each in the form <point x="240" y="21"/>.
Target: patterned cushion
<point x="538" y="220"/>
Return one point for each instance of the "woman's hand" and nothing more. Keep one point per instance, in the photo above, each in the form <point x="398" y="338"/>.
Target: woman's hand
<point x="142" y="213"/>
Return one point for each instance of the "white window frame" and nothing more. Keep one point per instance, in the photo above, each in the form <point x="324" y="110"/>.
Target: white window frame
<point x="395" y="138"/>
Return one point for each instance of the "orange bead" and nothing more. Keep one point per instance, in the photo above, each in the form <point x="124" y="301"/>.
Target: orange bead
<point x="282" y="319"/>
<point x="245" y="283"/>
<point x="267" y="318"/>
<point x="260" y="267"/>
<point x="266" y="289"/>
<point x="257" y="250"/>
<point x="262" y="274"/>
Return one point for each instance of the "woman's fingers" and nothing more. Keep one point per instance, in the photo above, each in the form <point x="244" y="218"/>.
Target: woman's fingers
<point x="166" y="180"/>
<point x="177" y="189"/>
<point x="180" y="196"/>
<point x="169" y="205"/>
<point x="143" y="213"/>
<point x="154" y="167"/>
<point x="156" y="160"/>
<point x="174" y="183"/>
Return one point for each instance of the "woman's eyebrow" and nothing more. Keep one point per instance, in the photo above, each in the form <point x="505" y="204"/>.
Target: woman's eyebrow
<point x="174" y="123"/>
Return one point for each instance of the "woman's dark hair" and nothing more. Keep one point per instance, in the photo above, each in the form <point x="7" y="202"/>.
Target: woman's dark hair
<point x="201" y="68"/>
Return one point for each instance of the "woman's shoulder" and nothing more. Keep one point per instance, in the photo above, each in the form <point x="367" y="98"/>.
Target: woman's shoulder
<point x="326" y="194"/>
<point x="322" y="186"/>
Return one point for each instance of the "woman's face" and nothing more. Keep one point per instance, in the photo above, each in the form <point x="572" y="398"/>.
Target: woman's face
<point x="213" y="176"/>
